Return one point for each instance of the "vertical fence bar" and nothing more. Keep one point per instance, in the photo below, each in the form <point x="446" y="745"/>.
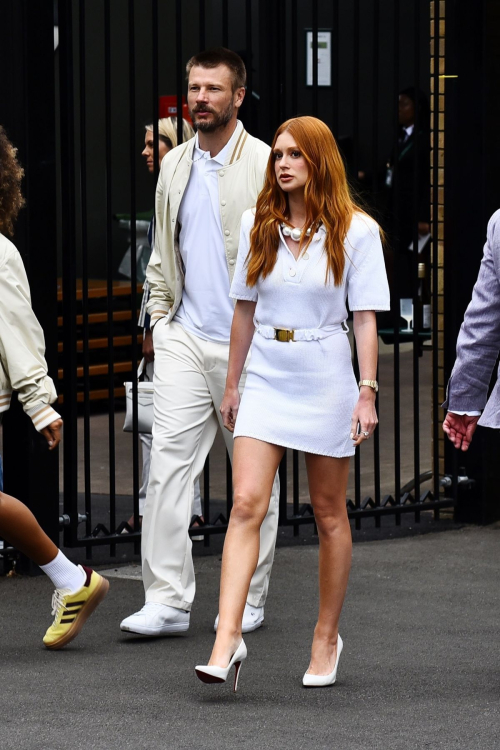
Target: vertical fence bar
<point x="225" y="23"/>
<point x="357" y="455"/>
<point x="283" y="476"/>
<point x="85" y="277"/>
<point x="435" y="260"/>
<point x="355" y="87"/>
<point x="109" y="272"/>
<point x="355" y="150"/>
<point x="375" y="167"/>
<point x="229" y="486"/>
<point x="281" y="63"/>
<point x="70" y="445"/>
<point x="179" y="73"/>
<point x="395" y="268"/>
<point x="294" y="60"/>
<point x="315" y="57"/>
<point x="156" y="86"/>
<point x="249" y="61"/>
<point x="335" y="66"/>
<point x="133" y="268"/>
<point x="206" y="499"/>
<point x="376" y="460"/>
<point x="296" y="489"/>
<point x="415" y="258"/>
<point x="375" y="85"/>
<point x="201" y="32"/>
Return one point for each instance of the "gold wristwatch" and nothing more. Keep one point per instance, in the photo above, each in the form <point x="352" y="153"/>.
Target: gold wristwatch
<point x="370" y="383"/>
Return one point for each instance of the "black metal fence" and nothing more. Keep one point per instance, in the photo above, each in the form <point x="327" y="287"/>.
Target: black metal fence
<point x="344" y="61"/>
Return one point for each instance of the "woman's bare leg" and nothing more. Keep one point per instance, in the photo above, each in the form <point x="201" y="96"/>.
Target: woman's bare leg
<point x="20" y="528"/>
<point x="327" y="487"/>
<point x="254" y="467"/>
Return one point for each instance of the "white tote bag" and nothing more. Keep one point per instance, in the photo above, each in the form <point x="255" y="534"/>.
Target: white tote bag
<point x="145" y="392"/>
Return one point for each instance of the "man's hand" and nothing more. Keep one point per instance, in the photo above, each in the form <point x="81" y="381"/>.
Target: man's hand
<point x="52" y="433"/>
<point x="460" y="428"/>
<point x="148" y="351"/>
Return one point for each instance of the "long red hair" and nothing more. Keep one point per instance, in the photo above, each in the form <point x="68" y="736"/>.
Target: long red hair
<point x="327" y="197"/>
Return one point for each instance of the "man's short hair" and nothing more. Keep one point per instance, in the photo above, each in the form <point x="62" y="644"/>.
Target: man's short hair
<point x="212" y="58"/>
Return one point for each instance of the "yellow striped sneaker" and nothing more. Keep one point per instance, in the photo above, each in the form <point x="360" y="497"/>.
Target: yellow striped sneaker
<point x="72" y="610"/>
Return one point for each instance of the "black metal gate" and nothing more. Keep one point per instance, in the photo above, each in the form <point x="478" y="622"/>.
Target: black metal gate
<point x="344" y="61"/>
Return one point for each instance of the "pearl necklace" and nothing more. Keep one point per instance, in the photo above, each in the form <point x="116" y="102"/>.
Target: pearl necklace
<point x="294" y="233"/>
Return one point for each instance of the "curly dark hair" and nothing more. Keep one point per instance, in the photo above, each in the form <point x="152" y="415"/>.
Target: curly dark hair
<point x="11" y="174"/>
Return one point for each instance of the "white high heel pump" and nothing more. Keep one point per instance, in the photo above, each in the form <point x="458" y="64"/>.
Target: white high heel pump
<point x="321" y="680"/>
<point x="208" y="673"/>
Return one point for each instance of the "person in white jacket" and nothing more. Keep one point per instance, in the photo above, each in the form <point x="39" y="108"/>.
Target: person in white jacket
<point x="23" y="369"/>
<point x="203" y="189"/>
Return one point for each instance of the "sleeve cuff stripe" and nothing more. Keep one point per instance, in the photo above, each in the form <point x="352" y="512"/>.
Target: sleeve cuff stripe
<point x="42" y="415"/>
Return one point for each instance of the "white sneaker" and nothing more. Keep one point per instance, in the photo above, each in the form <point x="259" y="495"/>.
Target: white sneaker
<point x="156" y="619"/>
<point x="253" y="617"/>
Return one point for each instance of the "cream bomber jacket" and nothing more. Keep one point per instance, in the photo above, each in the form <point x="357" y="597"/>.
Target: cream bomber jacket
<point x="240" y="182"/>
<point x="22" y="346"/>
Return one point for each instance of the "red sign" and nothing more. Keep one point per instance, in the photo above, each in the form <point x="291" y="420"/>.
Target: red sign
<point x="168" y="107"/>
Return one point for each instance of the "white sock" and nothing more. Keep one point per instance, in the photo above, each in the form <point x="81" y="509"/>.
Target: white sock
<point x="64" y="574"/>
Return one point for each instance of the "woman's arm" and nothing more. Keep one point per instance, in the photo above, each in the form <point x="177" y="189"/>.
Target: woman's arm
<point x="242" y="330"/>
<point x="365" y="331"/>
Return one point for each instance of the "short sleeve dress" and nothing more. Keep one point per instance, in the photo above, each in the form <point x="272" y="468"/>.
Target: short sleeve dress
<point x="301" y="394"/>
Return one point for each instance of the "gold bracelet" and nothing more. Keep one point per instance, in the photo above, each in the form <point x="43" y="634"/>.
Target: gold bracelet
<point x="370" y="383"/>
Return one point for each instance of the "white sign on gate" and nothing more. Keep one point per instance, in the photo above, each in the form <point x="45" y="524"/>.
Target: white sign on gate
<point x="324" y="58"/>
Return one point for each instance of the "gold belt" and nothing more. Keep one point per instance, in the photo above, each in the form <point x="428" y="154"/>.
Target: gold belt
<point x="283" y="334"/>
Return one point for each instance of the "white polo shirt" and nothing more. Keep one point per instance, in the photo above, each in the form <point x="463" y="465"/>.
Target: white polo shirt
<point x="206" y="309"/>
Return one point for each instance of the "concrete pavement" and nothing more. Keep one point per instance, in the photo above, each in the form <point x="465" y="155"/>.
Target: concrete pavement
<point x="420" y="668"/>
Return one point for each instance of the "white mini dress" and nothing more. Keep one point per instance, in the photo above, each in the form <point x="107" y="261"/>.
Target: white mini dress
<point x="301" y="394"/>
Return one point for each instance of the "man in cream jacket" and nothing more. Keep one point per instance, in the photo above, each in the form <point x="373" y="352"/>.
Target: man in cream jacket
<point x="204" y="187"/>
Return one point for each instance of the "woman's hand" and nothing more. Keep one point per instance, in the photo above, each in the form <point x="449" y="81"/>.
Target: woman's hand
<point x="229" y="408"/>
<point x="52" y="433"/>
<point x="364" y="415"/>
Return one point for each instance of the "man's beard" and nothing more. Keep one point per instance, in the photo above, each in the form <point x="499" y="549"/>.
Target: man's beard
<point x="220" y="119"/>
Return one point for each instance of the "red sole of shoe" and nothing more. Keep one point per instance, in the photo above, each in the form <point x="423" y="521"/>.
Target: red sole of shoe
<point x="204" y="677"/>
<point x="84" y="615"/>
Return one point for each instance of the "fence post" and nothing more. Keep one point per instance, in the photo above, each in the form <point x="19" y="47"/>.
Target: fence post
<point x="27" y="96"/>
<point x="471" y="194"/>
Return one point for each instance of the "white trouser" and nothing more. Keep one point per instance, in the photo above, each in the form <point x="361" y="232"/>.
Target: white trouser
<point x="189" y="381"/>
<point x="146" y="441"/>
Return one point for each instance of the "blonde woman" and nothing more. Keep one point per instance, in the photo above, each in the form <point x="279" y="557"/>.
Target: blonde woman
<point x="167" y="139"/>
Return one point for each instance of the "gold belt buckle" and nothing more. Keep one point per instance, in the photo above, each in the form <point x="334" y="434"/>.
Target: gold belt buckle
<point x="282" y="334"/>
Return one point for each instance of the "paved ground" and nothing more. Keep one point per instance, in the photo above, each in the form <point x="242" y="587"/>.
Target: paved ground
<point x="420" y="669"/>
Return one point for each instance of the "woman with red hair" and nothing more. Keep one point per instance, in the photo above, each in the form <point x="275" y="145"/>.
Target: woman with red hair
<point x="305" y="251"/>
